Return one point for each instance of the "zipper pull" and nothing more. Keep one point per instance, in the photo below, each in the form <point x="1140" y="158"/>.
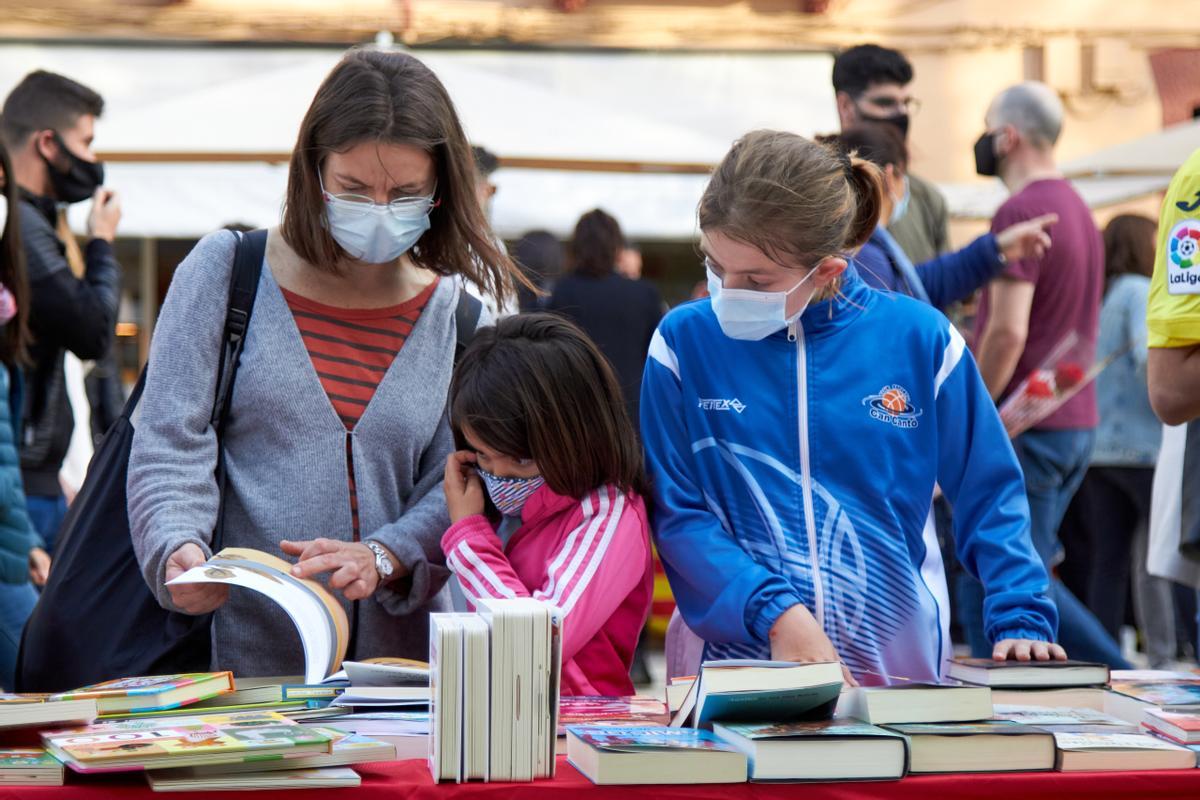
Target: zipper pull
<point x="792" y="330"/>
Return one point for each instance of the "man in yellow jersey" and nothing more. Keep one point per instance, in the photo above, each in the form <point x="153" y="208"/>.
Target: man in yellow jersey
<point x="1173" y="318"/>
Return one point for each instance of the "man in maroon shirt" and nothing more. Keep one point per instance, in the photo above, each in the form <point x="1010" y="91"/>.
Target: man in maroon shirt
<point x="1026" y="313"/>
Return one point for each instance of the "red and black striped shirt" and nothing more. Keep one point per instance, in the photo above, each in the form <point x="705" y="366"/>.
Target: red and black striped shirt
<point x="351" y="350"/>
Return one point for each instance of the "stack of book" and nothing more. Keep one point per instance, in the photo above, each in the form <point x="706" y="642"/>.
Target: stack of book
<point x="494" y="691"/>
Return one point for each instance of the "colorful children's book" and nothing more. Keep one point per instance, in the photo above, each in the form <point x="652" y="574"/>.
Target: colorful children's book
<point x="155" y="693"/>
<point x="183" y="742"/>
<point x="319" y="618"/>
<point x="29" y="766"/>
<point x="622" y="712"/>
<point x="989" y="746"/>
<point x="642" y="755"/>
<point x="1028" y="674"/>
<point x="33" y="710"/>
<point x="835" y="750"/>
<point x="348" y="749"/>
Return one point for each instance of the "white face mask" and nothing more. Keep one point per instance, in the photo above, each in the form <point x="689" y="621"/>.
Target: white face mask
<point x="750" y="315"/>
<point x="374" y="233"/>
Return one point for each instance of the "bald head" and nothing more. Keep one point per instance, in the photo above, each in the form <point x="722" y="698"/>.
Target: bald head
<point x="1033" y="109"/>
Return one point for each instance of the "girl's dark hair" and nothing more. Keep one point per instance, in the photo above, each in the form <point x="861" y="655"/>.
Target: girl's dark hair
<point x="15" y="337"/>
<point x="877" y="142"/>
<point x="792" y="197"/>
<point x="596" y="244"/>
<point x="391" y="97"/>
<point x="1129" y="246"/>
<point x="535" y="386"/>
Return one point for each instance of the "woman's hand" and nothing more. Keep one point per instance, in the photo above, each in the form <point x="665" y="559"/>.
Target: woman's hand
<point x="796" y="636"/>
<point x="464" y="490"/>
<point x="1026" y="239"/>
<point x="194" y="598"/>
<point x="352" y="565"/>
<point x="1027" y="650"/>
<point x="39" y="566"/>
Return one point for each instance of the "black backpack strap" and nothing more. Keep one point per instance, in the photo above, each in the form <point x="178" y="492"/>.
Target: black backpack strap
<point x="243" y="287"/>
<point x="466" y="320"/>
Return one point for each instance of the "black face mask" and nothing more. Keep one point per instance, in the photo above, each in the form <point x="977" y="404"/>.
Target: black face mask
<point x="80" y="180"/>
<point x="987" y="163"/>
<point x="899" y="120"/>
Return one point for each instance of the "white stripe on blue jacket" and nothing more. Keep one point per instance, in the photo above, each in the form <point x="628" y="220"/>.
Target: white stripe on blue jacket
<point x="801" y="469"/>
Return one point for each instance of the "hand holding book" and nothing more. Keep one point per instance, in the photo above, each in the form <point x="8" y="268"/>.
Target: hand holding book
<point x="796" y="636"/>
<point x="1027" y="650"/>
<point x="193" y="598"/>
<point x="352" y="565"/>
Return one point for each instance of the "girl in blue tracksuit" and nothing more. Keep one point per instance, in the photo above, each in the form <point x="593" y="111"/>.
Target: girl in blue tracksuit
<point x="795" y="425"/>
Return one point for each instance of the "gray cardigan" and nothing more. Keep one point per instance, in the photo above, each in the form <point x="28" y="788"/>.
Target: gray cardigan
<point x="285" y="451"/>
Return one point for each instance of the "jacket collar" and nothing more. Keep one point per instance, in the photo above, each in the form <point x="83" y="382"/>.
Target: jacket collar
<point x="45" y="205"/>
<point x="827" y="317"/>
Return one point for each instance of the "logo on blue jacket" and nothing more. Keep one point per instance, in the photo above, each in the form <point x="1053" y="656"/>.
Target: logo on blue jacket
<point x="722" y="404"/>
<point x="894" y="406"/>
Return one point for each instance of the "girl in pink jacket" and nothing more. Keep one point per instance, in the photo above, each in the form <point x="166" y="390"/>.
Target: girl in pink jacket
<point x="545" y="492"/>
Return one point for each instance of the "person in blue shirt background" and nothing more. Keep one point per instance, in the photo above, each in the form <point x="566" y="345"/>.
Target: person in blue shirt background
<point x="795" y="424"/>
<point x="950" y="277"/>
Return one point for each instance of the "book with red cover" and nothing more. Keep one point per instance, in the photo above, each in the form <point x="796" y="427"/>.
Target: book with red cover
<point x="612" y="711"/>
<point x="1182" y="728"/>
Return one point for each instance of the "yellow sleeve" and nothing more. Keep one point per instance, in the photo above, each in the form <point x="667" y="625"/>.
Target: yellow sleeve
<point x="1173" y="310"/>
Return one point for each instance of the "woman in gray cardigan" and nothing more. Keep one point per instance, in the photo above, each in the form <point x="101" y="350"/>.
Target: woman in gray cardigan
<point x="337" y="435"/>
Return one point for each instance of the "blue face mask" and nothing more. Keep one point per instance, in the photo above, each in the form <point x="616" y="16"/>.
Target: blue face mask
<point x="509" y="495"/>
<point x="375" y="233"/>
<point x="900" y="207"/>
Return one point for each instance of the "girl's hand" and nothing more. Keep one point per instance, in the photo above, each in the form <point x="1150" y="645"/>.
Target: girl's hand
<point x="796" y="636"/>
<point x="39" y="566"/>
<point x="464" y="490"/>
<point x="352" y="565"/>
<point x="1027" y="650"/>
<point x="193" y="598"/>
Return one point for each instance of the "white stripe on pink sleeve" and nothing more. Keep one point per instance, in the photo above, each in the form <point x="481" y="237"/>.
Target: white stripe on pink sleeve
<point x="465" y="576"/>
<point x="567" y="577"/>
<point x="597" y="555"/>
<point x="590" y="518"/>
<point x="483" y="570"/>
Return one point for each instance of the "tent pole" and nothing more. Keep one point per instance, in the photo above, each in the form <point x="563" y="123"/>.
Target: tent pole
<point x="148" y="290"/>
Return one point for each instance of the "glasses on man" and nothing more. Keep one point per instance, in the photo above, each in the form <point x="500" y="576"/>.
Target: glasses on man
<point x="891" y="106"/>
<point x="407" y="207"/>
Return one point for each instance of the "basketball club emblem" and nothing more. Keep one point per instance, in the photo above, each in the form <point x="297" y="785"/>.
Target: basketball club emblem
<point x="893" y="406"/>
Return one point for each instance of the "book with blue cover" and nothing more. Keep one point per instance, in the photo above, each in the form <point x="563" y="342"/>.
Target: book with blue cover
<point x="653" y="755"/>
<point x="752" y="691"/>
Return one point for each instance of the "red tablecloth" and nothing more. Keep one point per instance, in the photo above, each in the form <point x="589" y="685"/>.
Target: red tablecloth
<point x="410" y="780"/>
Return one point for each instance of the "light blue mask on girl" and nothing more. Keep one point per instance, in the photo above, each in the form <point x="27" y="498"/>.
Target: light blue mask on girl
<point x="510" y="494"/>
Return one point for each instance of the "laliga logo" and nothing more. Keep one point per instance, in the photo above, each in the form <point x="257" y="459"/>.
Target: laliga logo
<point x="893" y="405"/>
<point x="1183" y="252"/>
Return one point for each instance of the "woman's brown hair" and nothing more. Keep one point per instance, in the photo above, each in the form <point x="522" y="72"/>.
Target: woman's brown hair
<point x="596" y="244"/>
<point x="1129" y="242"/>
<point x="14" y="340"/>
<point x="791" y="197"/>
<point x="535" y="386"/>
<point x="391" y="97"/>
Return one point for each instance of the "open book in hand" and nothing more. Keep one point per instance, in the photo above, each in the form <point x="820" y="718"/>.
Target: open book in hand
<point x="320" y="619"/>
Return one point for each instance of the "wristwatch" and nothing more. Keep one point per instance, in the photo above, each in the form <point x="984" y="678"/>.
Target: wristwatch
<point x="383" y="562"/>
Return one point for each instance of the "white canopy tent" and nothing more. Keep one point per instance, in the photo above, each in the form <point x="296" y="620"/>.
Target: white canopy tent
<point x="608" y="108"/>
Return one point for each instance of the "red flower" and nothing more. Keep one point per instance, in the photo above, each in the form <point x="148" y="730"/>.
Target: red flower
<point x="1067" y="375"/>
<point x="1040" y="387"/>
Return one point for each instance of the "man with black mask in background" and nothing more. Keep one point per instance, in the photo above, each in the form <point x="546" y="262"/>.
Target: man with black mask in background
<point x="872" y="84"/>
<point x="48" y="123"/>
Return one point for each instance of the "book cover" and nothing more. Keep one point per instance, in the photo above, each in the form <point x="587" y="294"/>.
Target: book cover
<point x="624" y="711"/>
<point x="1185" y="722"/>
<point x="992" y="664"/>
<point x="9" y="699"/>
<point x="995" y="727"/>
<point x="21" y="758"/>
<point x="636" y="739"/>
<point x="1161" y="693"/>
<point x="137" y="744"/>
<point x="1039" y="715"/>
<point x="1110" y="741"/>
<point x="842" y="728"/>
<point x="141" y="692"/>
